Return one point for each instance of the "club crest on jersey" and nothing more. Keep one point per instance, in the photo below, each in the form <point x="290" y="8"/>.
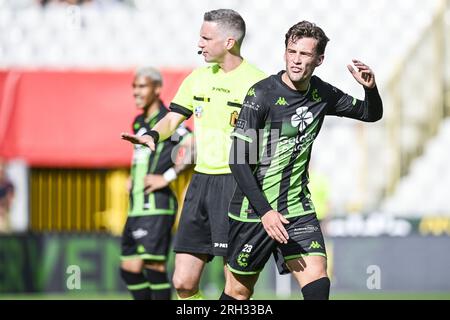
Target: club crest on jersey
<point x="198" y="111"/>
<point x="302" y="118"/>
<point x="315" y="96"/>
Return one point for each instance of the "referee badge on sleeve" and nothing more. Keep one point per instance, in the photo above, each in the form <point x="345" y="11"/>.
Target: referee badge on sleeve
<point x="198" y="111"/>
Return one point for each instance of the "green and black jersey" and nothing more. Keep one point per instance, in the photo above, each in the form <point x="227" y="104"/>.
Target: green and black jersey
<point x="275" y="131"/>
<point x="147" y="162"/>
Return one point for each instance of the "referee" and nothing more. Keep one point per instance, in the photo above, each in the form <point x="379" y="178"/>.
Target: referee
<point x="213" y="95"/>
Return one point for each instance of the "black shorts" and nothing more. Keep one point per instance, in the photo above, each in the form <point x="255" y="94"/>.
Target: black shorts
<point x="250" y="246"/>
<point x="203" y="226"/>
<point x="147" y="237"/>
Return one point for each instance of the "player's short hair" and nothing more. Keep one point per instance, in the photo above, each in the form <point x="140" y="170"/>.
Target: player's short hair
<point x="150" y="73"/>
<point x="229" y="20"/>
<point x="306" y="29"/>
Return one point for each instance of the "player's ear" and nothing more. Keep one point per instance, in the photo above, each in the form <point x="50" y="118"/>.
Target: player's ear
<point x="158" y="90"/>
<point x="320" y="60"/>
<point x="229" y="43"/>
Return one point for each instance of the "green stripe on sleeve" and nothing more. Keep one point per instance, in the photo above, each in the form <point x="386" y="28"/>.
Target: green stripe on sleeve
<point x="242" y="137"/>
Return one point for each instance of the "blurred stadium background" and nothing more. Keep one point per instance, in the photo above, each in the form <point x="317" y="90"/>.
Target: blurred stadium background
<point x="65" y="96"/>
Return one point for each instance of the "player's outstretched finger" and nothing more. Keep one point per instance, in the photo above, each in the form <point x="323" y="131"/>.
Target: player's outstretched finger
<point x="363" y="68"/>
<point x="350" y="68"/>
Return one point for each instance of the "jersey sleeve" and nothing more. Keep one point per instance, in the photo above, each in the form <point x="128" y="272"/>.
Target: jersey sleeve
<point x="243" y="153"/>
<point x="370" y="109"/>
<point x="252" y="116"/>
<point x="182" y="102"/>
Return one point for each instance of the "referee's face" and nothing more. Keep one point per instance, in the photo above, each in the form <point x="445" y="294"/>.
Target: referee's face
<point x="212" y="42"/>
<point x="145" y="92"/>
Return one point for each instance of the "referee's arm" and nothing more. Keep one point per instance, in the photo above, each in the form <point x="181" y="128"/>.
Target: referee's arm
<point x="161" y="131"/>
<point x="167" y="125"/>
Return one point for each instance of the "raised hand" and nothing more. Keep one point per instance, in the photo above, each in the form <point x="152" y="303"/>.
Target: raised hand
<point x="364" y="75"/>
<point x="145" y="140"/>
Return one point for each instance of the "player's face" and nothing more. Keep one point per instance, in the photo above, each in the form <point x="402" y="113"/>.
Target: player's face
<point x="301" y="59"/>
<point x="145" y="92"/>
<point x="212" y="42"/>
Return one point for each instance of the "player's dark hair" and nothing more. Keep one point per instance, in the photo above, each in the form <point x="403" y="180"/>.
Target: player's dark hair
<point x="306" y="29"/>
<point x="230" y="20"/>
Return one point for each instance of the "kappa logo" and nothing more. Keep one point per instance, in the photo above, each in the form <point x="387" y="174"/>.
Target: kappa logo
<point x="251" y="93"/>
<point x="302" y="118"/>
<point x="315" y="245"/>
<point x="281" y="102"/>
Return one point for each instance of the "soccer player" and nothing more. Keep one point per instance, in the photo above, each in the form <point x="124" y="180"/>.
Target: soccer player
<point x="147" y="233"/>
<point x="271" y="210"/>
<point x="6" y="198"/>
<point x="214" y="95"/>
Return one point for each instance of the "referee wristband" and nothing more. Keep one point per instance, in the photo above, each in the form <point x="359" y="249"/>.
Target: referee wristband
<point x="170" y="175"/>
<point x="154" y="134"/>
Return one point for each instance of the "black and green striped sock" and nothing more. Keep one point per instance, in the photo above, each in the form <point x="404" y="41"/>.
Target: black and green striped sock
<point x="159" y="284"/>
<point x="137" y="284"/>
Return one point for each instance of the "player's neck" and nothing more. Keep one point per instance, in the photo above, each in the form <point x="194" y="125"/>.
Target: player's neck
<point x="231" y="62"/>
<point x="151" y="110"/>
<point x="299" y="86"/>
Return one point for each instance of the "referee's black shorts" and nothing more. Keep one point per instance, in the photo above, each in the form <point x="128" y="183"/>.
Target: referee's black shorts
<point x="203" y="226"/>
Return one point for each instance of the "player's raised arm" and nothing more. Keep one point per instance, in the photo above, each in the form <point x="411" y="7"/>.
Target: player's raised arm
<point x="364" y="75"/>
<point x="371" y="108"/>
<point x="160" y="132"/>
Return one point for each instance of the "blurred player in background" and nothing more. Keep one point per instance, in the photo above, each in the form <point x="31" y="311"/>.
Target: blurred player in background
<point x="6" y="198"/>
<point x="152" y="208"/>
<point x="214" y="95"/>
<point x="271" y="210"/>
